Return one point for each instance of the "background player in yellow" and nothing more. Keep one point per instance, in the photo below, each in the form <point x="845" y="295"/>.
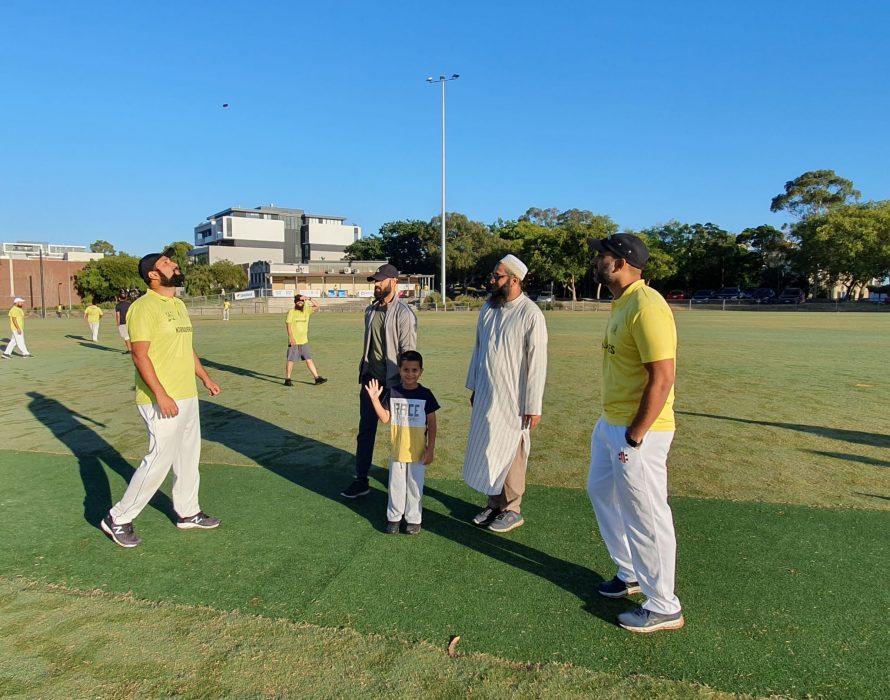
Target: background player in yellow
<point x="297" y="324"/>
<point x="17" y="329"/>
<point x="167" y="399"/>
<point x="93" y="314"/>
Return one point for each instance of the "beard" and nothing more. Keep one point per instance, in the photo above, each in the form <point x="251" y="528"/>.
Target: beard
<point x="174" y="280"/>
<point x="603" y="275"/>
<point x="381" y="293"/>
<point x="497" y="297"/>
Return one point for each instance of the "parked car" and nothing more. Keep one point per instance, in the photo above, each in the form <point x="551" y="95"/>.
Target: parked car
<point x="748" y="292"/>
<point x="791" y="295"/>
<point x="675" y="294"/>
<point x="763" y="295"/>
<point x="703" y="295"/>
<point x="545" y="297"/>
<point x="729" y="293"/>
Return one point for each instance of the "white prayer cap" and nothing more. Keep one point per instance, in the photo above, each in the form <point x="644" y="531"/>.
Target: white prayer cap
<point x="18" y="300"/>
<point x="515" y="265"/>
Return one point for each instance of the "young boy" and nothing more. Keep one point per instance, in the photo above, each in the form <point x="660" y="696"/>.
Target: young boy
<point x="411" y="410"/>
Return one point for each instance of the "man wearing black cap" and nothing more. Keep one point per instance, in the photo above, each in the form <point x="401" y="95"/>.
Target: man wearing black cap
<point x="390" y="330"/>
<point x="627" y="483"/>
<point x="167" y="398"/>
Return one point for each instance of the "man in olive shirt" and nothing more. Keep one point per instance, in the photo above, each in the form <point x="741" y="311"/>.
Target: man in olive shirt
<point x="167" y="398"/>
<point x="390" y="329"/>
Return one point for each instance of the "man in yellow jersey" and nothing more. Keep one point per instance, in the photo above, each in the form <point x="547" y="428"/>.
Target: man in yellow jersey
<point x="17" y="328"/>
<point x="627" y="483"/>
<point x="297" y="324"/>
<point x="93" y="315"/>
<point x="167" y="398"/>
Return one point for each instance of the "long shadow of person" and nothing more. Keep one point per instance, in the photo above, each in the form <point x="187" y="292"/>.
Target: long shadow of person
<point x="92" y="452"/>
<point x="241" y="371"/>
<point x="311" y="465"/>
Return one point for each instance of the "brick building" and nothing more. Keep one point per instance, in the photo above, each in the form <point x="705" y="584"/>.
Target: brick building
<point x="20" y="277"/>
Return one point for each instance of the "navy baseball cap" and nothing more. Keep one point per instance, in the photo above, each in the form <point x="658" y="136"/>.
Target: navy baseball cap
<point x="623" y="245"/>
<point x="384" y="272"/>
<point x="148" y="262"/>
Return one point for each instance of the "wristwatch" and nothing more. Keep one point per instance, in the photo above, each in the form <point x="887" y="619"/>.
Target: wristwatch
<point x="630" y="441"/>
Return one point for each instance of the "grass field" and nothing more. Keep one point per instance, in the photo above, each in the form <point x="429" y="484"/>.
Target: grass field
<point x="780" y="481"/>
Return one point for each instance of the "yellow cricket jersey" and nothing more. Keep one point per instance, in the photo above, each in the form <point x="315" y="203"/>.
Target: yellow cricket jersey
<point x="94" y="313"/>
<point x="19" y="315"/>
<point x="299" y="324"/>
<point x="640" y="329"/>
<point x="164" y="322"/>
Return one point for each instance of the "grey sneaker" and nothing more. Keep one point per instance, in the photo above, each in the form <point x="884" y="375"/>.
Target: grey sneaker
<point x="392" y="527"/>
<point x="645" y="621"/>
<point x="485" y="518"/>
<point x="506" y="521"/>
<point x="412" y="529"/>
<point x="616" y="588"/>
<point x="121" y="534"/>
<point x="357" y="488"/>
<point x="200" y="520"/>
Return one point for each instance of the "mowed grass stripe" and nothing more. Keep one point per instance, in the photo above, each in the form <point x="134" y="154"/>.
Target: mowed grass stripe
<point x="766" y="587"/>
<point x="61" y="644"/>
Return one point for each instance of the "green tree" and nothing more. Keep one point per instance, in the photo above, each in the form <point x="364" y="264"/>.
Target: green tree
<point x="814" y="192"/>
<point x="370" y="248"/>
<point x="468" y="247"/>
<point x="200" y="281"/>
<point x="101" y="246"/>
<point x="180" y="253"/>
<point x="101" y="280"/>
<point x="408" y="245"/>
<point x="228" y="275"/>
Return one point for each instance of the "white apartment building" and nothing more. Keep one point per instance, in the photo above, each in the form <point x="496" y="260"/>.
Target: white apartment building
<point x="272" y="234"/>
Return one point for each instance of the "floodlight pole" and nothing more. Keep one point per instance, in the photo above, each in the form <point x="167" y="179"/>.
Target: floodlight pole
<point x="442" y="80"/>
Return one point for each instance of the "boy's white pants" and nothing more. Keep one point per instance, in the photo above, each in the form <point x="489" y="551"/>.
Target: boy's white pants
<point x="17" y="340"/>
<point x="172" y="442"/>
<point x="94" y="329"/>
<point x="405" y="492"/>
<point x="628" y="491"/>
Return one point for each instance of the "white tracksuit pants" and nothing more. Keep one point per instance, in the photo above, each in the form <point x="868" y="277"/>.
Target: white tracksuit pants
<point x="172" y="442"/>
<point x="628" y="491"/>
<point x="94" y="329"/>
<point x="16" y="341"/>
<point x="405" y="492"/>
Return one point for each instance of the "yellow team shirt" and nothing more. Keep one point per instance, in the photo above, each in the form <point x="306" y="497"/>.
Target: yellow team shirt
<point x="19" y="315"/>
<point x="164" y="322"/>
<point x="226" y="305"/>
<point x="94" y="313"/>
<point x="640" y="329"/>
<point x="299" y="324"/>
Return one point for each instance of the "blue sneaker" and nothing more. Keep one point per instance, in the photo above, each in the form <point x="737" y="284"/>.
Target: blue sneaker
<point x="616" y="588"/>
<point x="506" y="521"/>
<point x="645" y="621"/>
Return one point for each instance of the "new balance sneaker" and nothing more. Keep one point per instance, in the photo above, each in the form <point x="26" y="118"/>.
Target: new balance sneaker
<point x="412" y="529"/>
<point x="645" y="621"/>
<point x="288" y="382"/>
<point x="357" y="488"/>
<point x="616" y="588"/>
<point x="200" y="520"/>
<point x="506" y="521"/>
<point x="392" y="527"/>
<point x="485" y="518"/>
<point x="320" y="380"/>
<point x="121" y="534"/>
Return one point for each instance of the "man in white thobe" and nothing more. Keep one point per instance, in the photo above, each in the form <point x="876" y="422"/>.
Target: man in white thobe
<point x="506" y="375"/>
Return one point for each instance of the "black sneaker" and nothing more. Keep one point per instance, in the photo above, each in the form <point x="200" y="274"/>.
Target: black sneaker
<point x="392" y="527"/>
<point x="412" y="529"/>
<point x="288" y="382"/>
<point x="357" y="488"/>
<point x="616" y="588"/>
<point x="320" y="380"/>
<point x="121" y="534"/>
<point x="200" y="520"/>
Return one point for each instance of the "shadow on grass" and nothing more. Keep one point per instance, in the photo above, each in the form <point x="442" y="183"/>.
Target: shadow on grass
<point x="91" y="452"/>
<point x="96" y="346"/>
<point x="232" y="369"/>
<point x="76" y="337"/>
<point x="323" y="469"/>
<point x="854" y="436"/>
<point x="861" y="459"/>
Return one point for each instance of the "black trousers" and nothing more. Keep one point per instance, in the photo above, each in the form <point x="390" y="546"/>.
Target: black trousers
<point x="367" y="431"/>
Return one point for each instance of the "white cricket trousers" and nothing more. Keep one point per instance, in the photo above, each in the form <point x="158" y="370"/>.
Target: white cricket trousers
<point x="94" y="329"/>
<point x="628" y="491"/>
<point x="172" y="442"/>
<point x="405" y="492"/>
<point x="16" y="341"/>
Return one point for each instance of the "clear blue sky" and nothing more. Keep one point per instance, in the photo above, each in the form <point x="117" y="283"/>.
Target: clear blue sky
<point x="112" y="122"/>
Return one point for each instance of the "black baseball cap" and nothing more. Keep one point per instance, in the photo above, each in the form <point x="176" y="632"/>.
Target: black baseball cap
<point x="148" y="262"/>
<point x="386" y="271"/>
<point x="622" y="245"/>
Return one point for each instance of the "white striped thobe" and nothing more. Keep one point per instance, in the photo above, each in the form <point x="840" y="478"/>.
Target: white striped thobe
<point x="507" y="373"/>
